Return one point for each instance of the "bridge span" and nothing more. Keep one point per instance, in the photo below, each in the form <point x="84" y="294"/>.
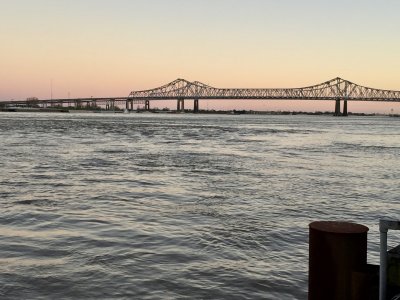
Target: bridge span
<point x="337" y="90"/>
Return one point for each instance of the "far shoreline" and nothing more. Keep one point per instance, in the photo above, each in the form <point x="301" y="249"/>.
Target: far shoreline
<point x="167" y="111"/>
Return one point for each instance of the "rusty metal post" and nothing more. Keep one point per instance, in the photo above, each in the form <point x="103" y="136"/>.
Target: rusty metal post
<point x="336" y="250"/>
<point x="384" y="226"/>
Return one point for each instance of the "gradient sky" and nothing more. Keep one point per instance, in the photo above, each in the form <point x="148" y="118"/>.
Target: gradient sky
<point x="108" y="48"/>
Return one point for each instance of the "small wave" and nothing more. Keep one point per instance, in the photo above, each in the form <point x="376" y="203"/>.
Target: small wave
<point x="367" y="148"/>
<point x="36" y="202"/>
<point x="97" y="162"/>
<point x="112" y="151"/>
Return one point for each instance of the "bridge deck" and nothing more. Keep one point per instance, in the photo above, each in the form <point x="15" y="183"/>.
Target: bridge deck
<point x="335" y="89"/>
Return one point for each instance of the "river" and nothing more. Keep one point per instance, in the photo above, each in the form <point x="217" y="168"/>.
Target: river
<point x="182" y="206"/>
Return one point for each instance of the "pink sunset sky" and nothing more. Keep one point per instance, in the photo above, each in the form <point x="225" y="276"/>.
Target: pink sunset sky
<point x="99" y="48"/>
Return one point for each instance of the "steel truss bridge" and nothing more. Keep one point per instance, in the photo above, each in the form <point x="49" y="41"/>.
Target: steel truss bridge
<point x="337" y="89"/>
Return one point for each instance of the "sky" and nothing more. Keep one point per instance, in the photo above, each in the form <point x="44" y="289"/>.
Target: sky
<point x="99" y="48"/>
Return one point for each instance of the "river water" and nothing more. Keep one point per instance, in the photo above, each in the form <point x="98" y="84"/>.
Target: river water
<point x="180" y="206"/>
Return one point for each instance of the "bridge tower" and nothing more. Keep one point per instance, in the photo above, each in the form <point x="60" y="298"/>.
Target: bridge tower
<point x="344" y="114"/>
<point x="196" y="106"/>
<point x="110" y="105"/>
<point x="180" y="106"/>
<point x="129" y="104"/>
<point x="147" y="105"/>
<point x="337" y="108"/>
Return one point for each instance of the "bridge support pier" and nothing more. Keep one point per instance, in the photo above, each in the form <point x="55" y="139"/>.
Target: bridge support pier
<point x="147" y="105"/>
<point x="78" y="104"/>
<point x="129" y="105"/>
<point x="337" y="108"/>
<point x="345" y="108"/>
<point x="110" y="105"/>
<point x="196" y="106"/>
<point x="180" y="106"/>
